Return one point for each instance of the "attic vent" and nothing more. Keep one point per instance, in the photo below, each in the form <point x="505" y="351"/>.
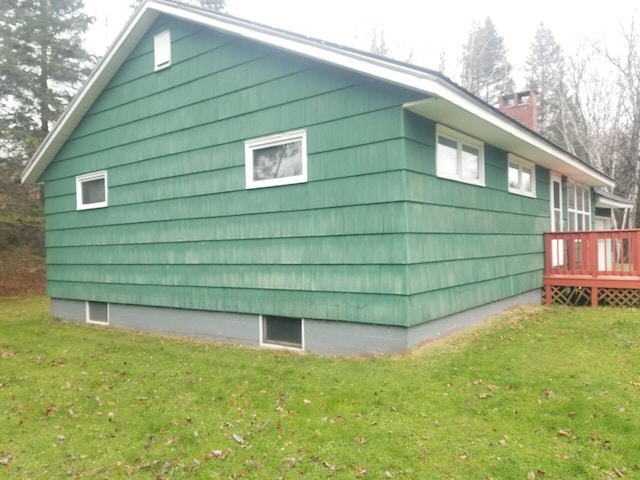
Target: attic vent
<point x="162" y="50"/>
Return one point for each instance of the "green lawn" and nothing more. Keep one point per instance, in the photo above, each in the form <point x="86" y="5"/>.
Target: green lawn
<point x="544" y="392"/>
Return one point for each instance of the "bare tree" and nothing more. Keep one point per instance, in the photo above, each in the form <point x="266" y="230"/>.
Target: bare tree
<point x="598" y="113"/>
<point x="486" y="72"/>
<point x="627" y="69"/>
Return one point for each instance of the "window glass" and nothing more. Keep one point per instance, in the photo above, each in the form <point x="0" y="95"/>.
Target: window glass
<point x="459" y="157"/>
<point x="579" y="205"/>
<point x="579" y="198"/>
<point x="557" y="224"/>
<point x="283" y="331"/>
<point x="97" y="312"/>
<point x="447" y="156"/>
<point x="514" y="176"/>
<point x="556" y="195"/>
<point x="526" y="180"/>
<point x="521" y="176"/>
<point x="276" y="160"/>
<point x="470" y="162"/>
<point x="571" y="196"/>
<point x="587" y="202"/>
<point x="93" y="191"/>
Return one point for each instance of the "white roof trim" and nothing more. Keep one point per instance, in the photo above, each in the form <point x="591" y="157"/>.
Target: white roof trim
<point x="610" y="203"/>
<point x="128" y="38"/>
<point x="405" y="76"/>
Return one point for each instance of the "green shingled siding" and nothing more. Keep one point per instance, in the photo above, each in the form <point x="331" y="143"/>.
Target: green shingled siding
<point x="373" y="236"/>
<point x="468" y="245"/>
<point x="182" y="231"/>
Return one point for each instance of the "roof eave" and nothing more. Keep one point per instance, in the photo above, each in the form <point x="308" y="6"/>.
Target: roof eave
<point x="609" y="203"/>
<point x="453" y="108"/>
<point x="89" y="92"/>
<point x="432" y="84"/>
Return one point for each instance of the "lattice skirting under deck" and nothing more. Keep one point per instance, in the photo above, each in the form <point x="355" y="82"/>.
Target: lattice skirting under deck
<point x="619" y="297"/>
<point x="611" y="297"/>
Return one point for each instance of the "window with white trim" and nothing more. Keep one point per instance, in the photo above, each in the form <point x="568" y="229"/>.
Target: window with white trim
<point x="91" y="190"/>
<point x="459" y="157"/>
<point x="284" y="332"/>
<point x="98" y="312"/>
<point x="579" y="206"/>
<point x="522" y="176"/>
<point x="276" y="160"/>
<point x="162" y="50"/>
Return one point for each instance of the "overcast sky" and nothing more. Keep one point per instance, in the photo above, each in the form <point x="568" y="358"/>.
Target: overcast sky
<point x="424" y="29"/>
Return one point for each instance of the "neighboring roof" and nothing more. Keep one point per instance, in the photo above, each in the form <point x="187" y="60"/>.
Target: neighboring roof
<point x="611" y="200"/>
<point x="445" y="101"/>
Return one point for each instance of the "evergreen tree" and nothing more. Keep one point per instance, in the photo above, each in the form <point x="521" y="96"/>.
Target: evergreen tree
<point x="486" y="71"/>
<point x="42" y="63"/>
<point x="545" y="68"/>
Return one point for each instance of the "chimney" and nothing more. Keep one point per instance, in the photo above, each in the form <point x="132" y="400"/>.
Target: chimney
<point x="521" y="106"/>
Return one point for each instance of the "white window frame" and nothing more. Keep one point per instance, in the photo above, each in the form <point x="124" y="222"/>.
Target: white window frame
<point x="97" y="322"/>
<point x="250" y="146"/>
<point x="461" y="140"/>
<point x="162" y="50"/>
<point x="586" y="209"/>
<point x="88" y="177"/>
<point x="520" y="163"/>
<point x="280" y="346"/>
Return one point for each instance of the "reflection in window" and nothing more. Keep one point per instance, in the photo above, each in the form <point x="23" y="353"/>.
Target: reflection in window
<point x="91" y="190"/>
<point x="459" y="157"/>
<point x="578" y="207"/>
<point x="522" y="176"/>
<point x="447" y="156"/>
<point x="276" y="160"/>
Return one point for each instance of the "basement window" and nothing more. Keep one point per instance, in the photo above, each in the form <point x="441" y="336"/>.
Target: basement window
<point x="98" y="312"/>
<point x="522" y="176"/>
<point x="459" y="157"/>
<point x="162" y="50"/>
<point x="91" y="190"/>
<point x="276" y="160"/>
<point x="281" y="331"/>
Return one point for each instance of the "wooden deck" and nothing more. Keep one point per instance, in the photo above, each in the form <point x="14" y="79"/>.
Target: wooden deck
<point x="593" y="267"/>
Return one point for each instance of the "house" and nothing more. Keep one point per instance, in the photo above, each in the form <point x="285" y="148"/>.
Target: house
<point x="226" y="180"/>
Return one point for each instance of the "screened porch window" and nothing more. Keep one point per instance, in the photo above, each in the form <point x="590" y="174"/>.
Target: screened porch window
<point x="578" y="206"/>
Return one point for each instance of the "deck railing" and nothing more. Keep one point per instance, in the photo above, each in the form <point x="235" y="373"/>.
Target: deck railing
<point x="595" y="253"/>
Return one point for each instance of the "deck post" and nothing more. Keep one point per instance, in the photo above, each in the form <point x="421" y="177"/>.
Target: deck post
<point x="592" y="248"/>
<point x="594" y="296"/>
<point x="547" y="294"/>
<point x="635" y="268"/>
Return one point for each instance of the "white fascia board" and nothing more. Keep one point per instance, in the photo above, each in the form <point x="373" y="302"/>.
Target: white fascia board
<point x="89" y="92"/>
<point x="610" y="203"/>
